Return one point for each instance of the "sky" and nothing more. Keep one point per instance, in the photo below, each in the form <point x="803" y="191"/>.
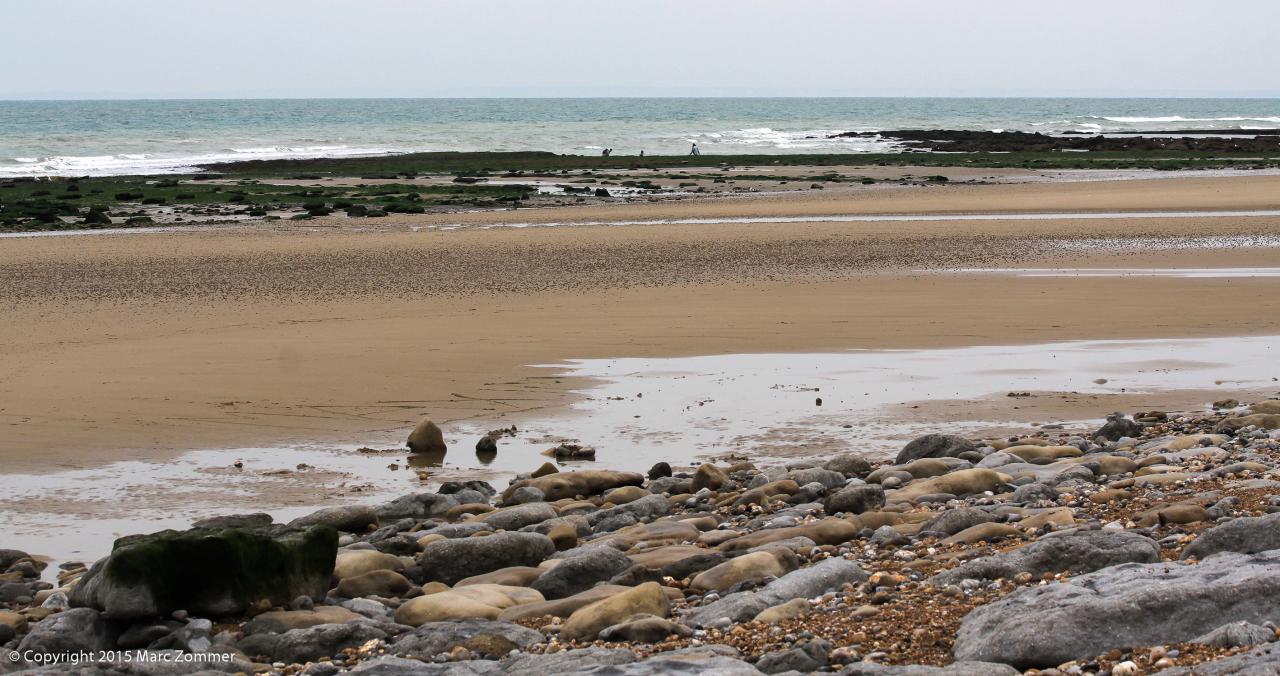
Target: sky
<point x="371" y="48"/>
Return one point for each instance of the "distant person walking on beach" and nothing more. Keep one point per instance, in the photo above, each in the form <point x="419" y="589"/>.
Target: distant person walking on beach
<point x="694" y="150"/>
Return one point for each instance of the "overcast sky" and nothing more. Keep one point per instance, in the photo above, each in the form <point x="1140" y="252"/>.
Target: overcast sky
<point x="274" y="48"/>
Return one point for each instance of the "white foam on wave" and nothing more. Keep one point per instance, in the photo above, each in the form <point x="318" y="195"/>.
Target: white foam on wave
<point x="1179" y="118"/>
<point x="142" y="163"/>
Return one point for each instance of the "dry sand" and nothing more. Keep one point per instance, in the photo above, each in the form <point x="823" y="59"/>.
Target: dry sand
<point x="144" y="345"/>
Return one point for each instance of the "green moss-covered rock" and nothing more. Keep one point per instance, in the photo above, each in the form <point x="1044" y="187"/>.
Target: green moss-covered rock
<point x="212" y="572"/>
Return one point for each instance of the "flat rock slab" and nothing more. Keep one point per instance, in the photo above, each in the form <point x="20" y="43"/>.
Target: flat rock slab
<point x="1122" y="607"/>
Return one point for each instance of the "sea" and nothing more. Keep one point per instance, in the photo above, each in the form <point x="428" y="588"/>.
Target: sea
<point x="103" y="138"/>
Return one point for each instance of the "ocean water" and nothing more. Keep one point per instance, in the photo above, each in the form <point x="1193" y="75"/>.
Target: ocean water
<point x="96" y="138"/>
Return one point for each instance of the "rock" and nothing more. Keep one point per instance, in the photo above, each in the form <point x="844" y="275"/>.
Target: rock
<point x="645" y="629"/>
<point x="544" y="469"/>
<point x="849" y="464"/>
<point x="354" y="562"/>
<point x="1077" y="553"/>
<point x="488" y="638"/>
<point x="581" y="571"/>
<point x="830" y="480"/>
<point x="1122" y="606"/>
<point x="621" y="496"/>
<point x="784" y="611"/>
<point x="983" y="532"/>
<point x="515" y="576"/>
<point x="280" y="621"/>
<point x="386" y="583"/>
<point x="71" y="631"/>
<point x="806" y="657"/>
<point x="659" y="471"/>
<point x="828" y="531"/>
<point x="209" y="572"/>
<point x="1261" y="661"/>
<point x="313" y="643"/>
<point x="1117" y="426"/>
<point x="934" y="446"/>
<point x="761" y="494"/>
<point x="256" y="520"/>
<point x="519" y="516"/>
<point x="487" y="444"/>
<point x="643" y="509"/>
<point x="564" y="536"/>
<point x="349" y="518"/>
<point x="1266" y="421"/>
<point x="856" y="499"/>
<point x="568" y="661"/>
<point x="963" y="482"/>
<point x="1271" y="406"/>
<point x="748" y="567"/>
<point x="7" y="633"/>
<point x="1176" y="513"/>
<point x="451" y="560"/>
<point x="572" y="484"/>
<point x="417" y="506"/>
<point x="803" y="583"/>
<point x="1036" y="452"/>
<point x="953" y="669"/>
<point x="1035" y="492"/>
<point x="562" y="607"/>
<point x="953" y="521"/>
<point x="1237" y="635"/>
<point x="479" y="601"/>
<point x="427" y="438"/>
<point x="568" y="451"/>
<point x="587" y="622"/>
<point x="708" y="476"/>
<point x="525" y="495"/>
<point x="1245" y="535"/>
<point x="15" y="621"/>
<point x="702" y="661"/>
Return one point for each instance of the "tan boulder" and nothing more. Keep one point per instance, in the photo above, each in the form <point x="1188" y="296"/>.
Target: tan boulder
<point x="625" y="494"/>
<point x="564" y="536"/>
<point x="15" y="621"/>
<point x="571" y="484"/>
<point x="1110" y="495"/>
<point x="1270" y="406"/>
<point x="984" y="531"/>
<point x="386" y="583"/>
<point x="426" y="438"/>
<point x="1037" y="452"/>
<point x="714" y="538"/>
<point x="708" y="476"/>
<point x="959" y="483"/>
<point x="1108" y="464"/>
<point x="1185" y="512"/>
<point x="480" y="601"/>
<point x="760" y="494"/>
<point x="828" y="531"/>
<point x="543" y="470"/>
<point x="353" y="562"/>
<point x="1059" y="517"/>
<point x="280" y="621"/>
<point x="784" y="611"/>
<point x="655" y="534"/>
<point x="661" y="557"/>
<point x="587" y="622"/>
<point x="754" y="567"/>
<point x="562" y="607"/>
<point x="515" y="576"/>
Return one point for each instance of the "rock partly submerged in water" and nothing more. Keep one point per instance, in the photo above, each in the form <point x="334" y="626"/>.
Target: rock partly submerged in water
<point x="210" y="572"/>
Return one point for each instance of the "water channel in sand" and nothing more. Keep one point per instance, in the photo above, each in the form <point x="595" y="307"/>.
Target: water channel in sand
<point x="636" y="412"/>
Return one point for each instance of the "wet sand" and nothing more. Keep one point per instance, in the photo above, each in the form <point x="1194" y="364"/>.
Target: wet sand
<point x="140" y="347"/>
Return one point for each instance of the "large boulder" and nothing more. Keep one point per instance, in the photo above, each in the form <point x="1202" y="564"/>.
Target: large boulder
<point x="828" y="531"/>
<point x="518" y="516"/>
<point x="1118" y="426"/>
<point x="477" y="601"/>
<point x="963" y="482"/>
<point x="572" y="484"/>
<point x="323" y="640"/>
<point x="209" y="572"/>
<point x="351" y="518"/>
<point x="280" y="621"/>
<point x="580" y="571"/>
<point x="856" y="499"/>
<point x="934" y="446"/>
<point x="1076" y="553"/>
<point x="1121" y="607"/>
<point x="449" y="561"/>
<point x="587" y="622"/>
<point x="1245" y="535"/>
<point x="71" y="631"/>
<point x="427" y="438"/>
<point x="808" y="582"/>
<point x="489" y="638"/>
<point x="753" y="567"/>
<point x="953" y="521"/>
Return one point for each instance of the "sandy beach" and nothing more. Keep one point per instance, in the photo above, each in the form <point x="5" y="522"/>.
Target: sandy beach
<point x="145" y="345"/>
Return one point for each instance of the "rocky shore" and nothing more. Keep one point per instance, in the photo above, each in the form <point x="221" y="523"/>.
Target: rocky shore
<point x="1151" y="546"/>
<point x="974" y="141"/>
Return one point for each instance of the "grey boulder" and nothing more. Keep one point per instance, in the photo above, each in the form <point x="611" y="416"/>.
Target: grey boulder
<point x="934" y="446"/>
<point x="1245" y="535"/>
<point x="1081" y="552"/>
<point x="449" y="561"/>
<point x="1122" y="606"/>
<point x="581" y="571"/>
